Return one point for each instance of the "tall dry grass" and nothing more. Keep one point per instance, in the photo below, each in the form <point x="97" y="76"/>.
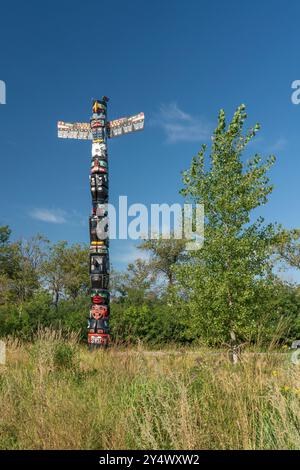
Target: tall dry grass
<point x="57" y="395"/>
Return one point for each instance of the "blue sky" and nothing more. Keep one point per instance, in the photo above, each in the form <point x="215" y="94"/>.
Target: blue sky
<point x="179" y="62"/>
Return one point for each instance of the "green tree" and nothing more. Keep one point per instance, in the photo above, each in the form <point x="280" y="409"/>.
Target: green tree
<point x="5" y="233"/>
<point x="20" y="264"/>
<point x="31" y="254"/>
<point x="136" y="285"/>
<point x="165" y="254"/>
<point x="65" y="271"/>
<point x="9" y="254"/>
<point x="5" y="289"/>
<point x="288" y="247"/>
<point x="223" y="286"/>
<point x="75" y="264"/>
<point x="52" y="270"/>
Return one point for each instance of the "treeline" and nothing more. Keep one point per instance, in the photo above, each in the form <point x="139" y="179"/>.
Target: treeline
<point x="230" y="288"/>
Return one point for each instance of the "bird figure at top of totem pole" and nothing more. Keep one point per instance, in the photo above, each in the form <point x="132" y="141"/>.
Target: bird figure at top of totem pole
<point x="97" y="130"/>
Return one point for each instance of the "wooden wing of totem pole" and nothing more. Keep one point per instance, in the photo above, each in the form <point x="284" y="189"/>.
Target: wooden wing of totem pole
<point x="98" y="130"/>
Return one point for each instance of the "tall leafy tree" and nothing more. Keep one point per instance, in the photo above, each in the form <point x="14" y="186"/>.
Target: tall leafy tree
<point x="75" y="265"/>
<point x="65" y="270"/>
<point x="5" y="289"/>
<point x="9" y="254"/>
<point x="19" y="277"/>
<point x="165" y="254"/>
<point x="31" y="254"/>
<point x="5" y="233"/>
<point x="223" y="288"/>
<point x="53" y="270"/>
<point x="136" y="285"/>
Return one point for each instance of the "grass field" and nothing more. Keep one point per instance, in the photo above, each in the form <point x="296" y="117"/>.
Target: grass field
<point x="57" y="395"/>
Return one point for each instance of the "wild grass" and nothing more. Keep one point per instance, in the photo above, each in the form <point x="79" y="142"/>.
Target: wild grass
<point x="57" y="395"/>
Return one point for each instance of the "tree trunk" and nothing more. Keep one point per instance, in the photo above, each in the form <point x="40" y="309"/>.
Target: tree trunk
<point x="234" y="356"/>
<point x="56" y="298"/>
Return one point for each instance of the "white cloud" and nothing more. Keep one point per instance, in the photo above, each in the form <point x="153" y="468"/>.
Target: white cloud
<point x="52" y="216"/>
<point x="179" y="125"/>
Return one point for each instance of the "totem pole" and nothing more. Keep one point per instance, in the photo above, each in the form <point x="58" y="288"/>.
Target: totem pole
<point x="97" y="130"/>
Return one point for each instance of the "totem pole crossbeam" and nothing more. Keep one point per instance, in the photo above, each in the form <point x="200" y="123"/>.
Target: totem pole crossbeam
<point x="98" y="130"/>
